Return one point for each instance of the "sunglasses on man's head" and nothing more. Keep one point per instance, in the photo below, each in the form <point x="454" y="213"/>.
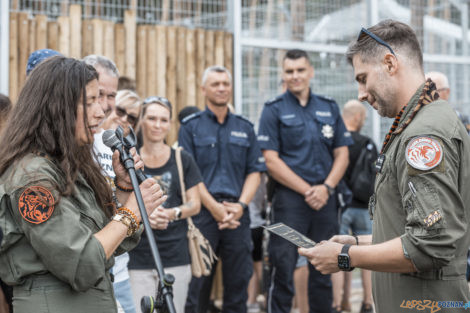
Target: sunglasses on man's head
<point x="376" y="38"/>
<point x="162" y="100"/>
<point x="132" y="119"/>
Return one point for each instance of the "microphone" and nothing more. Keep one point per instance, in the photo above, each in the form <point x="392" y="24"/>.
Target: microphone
<point x="111" y="140"/>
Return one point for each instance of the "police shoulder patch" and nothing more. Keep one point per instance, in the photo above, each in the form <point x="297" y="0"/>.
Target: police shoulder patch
<point x="190" y="117"/>
<point x="273" y="100"/>
<point x="36" y="204"/>
<point x="424" y="153"/>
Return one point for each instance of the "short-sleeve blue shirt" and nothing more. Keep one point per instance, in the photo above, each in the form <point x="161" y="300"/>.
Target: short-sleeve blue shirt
<point x="225" y="153"/>
<point x="304" y="137"/>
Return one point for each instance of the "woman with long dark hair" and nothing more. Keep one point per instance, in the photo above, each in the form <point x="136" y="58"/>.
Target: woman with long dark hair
<point x="62" y="223"/>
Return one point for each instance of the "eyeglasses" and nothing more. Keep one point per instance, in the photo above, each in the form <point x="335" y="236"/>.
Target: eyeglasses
<point x="162" y="100"/>
<point x="132" y="119"/>
<point x="376" y="38"/>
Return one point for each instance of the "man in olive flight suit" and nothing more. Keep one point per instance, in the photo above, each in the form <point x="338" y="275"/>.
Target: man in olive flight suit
<point x="421" y="205"/>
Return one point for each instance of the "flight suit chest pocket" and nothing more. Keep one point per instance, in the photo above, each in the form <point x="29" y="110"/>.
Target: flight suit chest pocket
<point x="205" y="147"/>
<point x="238" y="149"/>
<point x="292" y="131"/>
<point x="326" y="129"/>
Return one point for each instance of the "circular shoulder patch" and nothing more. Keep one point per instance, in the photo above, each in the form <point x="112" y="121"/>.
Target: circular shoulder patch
<point x="36" y="204"/>
<point x="424" y="153"/>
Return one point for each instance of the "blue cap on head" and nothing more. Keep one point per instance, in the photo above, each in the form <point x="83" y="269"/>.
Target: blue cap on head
<point x="38" y="56"/>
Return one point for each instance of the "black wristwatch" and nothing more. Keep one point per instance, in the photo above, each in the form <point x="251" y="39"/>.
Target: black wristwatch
<point x="344" y="261"/>
<point x="244" y="205"/>
<point x="330" y="189"/>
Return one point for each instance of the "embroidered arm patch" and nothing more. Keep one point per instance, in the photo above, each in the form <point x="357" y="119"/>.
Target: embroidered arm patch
<point x="36" y="204"/>
<point x="424" y="153"/>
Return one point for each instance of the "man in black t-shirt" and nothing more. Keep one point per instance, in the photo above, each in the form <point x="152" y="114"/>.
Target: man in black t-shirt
<point x="356" y="218"/>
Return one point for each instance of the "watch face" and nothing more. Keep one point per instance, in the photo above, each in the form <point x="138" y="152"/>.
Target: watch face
<point x="343" y="261"/>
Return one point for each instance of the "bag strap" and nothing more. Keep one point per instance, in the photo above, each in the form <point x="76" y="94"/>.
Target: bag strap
<point x="179" y="165"/>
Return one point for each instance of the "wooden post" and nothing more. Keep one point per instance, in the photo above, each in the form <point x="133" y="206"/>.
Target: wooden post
<point x="23" y="43"/>
<point x="87" y="38"/>
<point x="181" y="68"/>
<point x="13" y="88"/>
<point x="64" y="35"/>
<point x="210" y="35"/>
<point x="131" y="29"/>
<point x="120" y="48"/>
<point x="161" y="60"/>
<point x="32" y="36"/>
<point x="108" y="46"/>
<point x="152" y="68"/>
<point x="228" y="55"/>
<point x="75" y="31"/>
<point x="53" y="35"/>
<point x="97" y="36"/>
<point x="41" y="31"/>
<point x="171" y="76"/>
<point x="141" y="78"/>
<point x="200" y="66"/>
<point x="190" y="69"/>
<point x="219" y="47"/>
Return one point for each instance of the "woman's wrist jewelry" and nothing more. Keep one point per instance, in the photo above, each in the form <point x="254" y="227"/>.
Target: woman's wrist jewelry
<point x="122" y="188"/>
<point x="128" y="212"/>
<point x="127" y="221"/>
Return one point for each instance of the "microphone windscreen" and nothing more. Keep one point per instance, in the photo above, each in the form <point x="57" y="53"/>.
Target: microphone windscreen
<point x="110" y="139"/>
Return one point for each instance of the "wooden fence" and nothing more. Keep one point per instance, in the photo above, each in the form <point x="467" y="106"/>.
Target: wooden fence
<point x="164" y="60"/>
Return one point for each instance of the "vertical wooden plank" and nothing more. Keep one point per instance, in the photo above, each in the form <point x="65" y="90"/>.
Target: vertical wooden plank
<point x="120" y="47"/>
<point x="41" y="31"/>
<point x="209" y="60"/>
<point x="87" y="38"/>
<point x="76" y="30"/>
<point x="171" y="76"/>
<point x="108" y="48"/>
<point x="13" y="88"/>
<point x="141" y="79"/>
<point x="228" y="56"/>
<point x="64" y="35"/>
<point x="53" y="36"/>
<point x="152" y="52"/>
<point x="190" y="69"/>
<point x="228" y="52"/>
<point x="161" y="59"/>
<point x="23" y="41"/>
<point x="200" y="66"/>
<point x="131" y="29"/>
<point x="32" y="36"/>
<point x="97" y="36"/>
<point x="219" y="47"/>
<point x="181" y="68"/>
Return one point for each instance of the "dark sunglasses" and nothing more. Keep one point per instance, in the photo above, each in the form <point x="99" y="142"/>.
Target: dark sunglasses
<point x="162" y="100"/>
<point x="376" y="38"/>
<point x="132" y="119"/>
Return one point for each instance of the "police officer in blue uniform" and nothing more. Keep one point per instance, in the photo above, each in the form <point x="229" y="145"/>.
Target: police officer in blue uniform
<point x="304" y="142"/>
<point x="225" y="148"/>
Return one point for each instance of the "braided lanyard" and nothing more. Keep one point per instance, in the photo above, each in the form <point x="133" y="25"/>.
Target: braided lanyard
<point x="428" y="95"/>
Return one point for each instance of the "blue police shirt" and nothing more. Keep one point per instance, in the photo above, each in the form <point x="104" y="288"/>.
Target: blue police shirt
<point x="225" y="153"/>
<point x="304" y="137"/>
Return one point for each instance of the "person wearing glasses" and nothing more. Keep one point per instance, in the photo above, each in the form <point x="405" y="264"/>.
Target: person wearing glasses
<point x="125" y="113"/>
<point x="305" y="144"/>
<point x="224" y="147"/>
<point x="421" y="206"/>
<point x="168" y="221"/>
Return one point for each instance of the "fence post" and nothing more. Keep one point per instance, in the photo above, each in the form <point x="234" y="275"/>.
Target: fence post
<point x="4" y="43"/>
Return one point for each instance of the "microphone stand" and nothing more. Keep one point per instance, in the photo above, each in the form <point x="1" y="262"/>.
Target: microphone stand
<point x="165" y="282"/>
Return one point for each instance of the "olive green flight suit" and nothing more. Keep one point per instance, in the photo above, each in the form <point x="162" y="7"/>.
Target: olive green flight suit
<point x="57" y="265"/>
<point x="404" y="200"/>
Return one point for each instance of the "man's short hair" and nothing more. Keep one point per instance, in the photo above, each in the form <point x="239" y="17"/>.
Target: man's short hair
<point x="401" y="38"/>
<point x="295" y="54"/>
<point x="99" y="61"/>
<point x="216" y="69"/>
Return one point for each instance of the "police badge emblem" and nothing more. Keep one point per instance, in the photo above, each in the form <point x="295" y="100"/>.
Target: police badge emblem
<point x="424" y="153"/>
<point x="327" y="131"/>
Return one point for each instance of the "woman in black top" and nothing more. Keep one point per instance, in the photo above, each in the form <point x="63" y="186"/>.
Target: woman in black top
<point x="169" y="221"/>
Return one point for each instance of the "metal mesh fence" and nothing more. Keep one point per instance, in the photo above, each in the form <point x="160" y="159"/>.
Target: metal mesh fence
<point x="209" y="14"/>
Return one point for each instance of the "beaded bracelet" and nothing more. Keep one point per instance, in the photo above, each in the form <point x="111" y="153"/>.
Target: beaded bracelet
<point x="127" y="221"/>
<point x="124" y="189"/>
<point x="125" y="210"/>
<point x="133" y="225"/>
